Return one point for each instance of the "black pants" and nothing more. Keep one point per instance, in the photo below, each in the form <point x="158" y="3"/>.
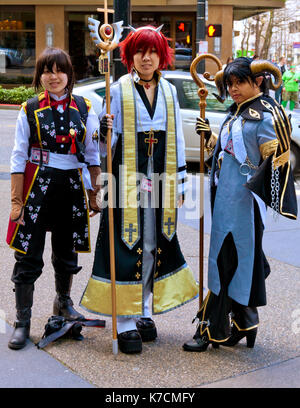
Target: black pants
<point x="56" y="216"/>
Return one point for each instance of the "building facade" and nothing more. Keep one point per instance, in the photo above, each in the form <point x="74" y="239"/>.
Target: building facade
<point x="28" y="26"/>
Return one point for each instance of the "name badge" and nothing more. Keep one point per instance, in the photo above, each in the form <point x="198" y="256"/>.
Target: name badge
<point x="146" y="184"/>
<point x="36" y="155"/>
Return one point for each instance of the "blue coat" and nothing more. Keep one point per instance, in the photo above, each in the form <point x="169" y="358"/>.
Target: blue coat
<point x="247" y="135"/>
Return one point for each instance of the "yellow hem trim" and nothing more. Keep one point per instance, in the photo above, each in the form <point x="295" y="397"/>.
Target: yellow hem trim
<point x="97" y="297"/>
<point x="174" y="290"/>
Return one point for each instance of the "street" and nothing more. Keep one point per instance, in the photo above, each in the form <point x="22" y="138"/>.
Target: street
<point x="274" y="361"/>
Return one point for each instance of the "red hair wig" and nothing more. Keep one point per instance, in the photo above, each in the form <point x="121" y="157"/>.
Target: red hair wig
<point x="143" y="39"/>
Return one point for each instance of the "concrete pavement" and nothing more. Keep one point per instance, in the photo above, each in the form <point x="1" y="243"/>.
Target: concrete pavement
<point x="274" y="362"/>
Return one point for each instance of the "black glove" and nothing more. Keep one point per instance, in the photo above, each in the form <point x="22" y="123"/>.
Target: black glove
<point x="103" y="129"/>
<point x="202" y="125"/>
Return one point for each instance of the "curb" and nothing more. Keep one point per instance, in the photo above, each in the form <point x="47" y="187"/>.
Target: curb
<point x="9" y="106"/>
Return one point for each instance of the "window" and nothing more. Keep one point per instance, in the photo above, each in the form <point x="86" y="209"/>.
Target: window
<point x="100" y="92"/>
<point x="17" y="44"/>
<point x="190" y="99"/>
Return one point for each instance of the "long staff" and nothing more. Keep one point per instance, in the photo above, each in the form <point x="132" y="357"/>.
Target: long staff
<point x="110" y="36"/>
<point x="202" y="93"/>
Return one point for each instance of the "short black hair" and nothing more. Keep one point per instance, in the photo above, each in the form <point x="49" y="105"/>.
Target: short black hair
<point x="240" y="69"/>
<point x="48" y="58"/>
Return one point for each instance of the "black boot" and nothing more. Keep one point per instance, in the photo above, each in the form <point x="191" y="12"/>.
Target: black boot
<point x="199" y="342"/>
<point x="63" y="304"/>
<point x="244" y="324"/>
<point x="237" y="335"/>
<point x="24" y="300"/>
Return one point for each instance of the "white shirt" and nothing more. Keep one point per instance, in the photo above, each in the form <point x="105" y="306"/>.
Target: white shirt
<point x="19" y="155"/>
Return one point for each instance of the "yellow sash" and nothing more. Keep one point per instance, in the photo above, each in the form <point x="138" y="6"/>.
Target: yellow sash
<point x="129" y="182"/>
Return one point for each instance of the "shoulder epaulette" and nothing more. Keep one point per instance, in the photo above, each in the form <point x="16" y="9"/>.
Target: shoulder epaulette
<point x="254" y="110"/>
<point x="41" y="96"/>
<point x="88" y="103"/>
<point x="24" y="107"/>
<point x="281" y="123"/>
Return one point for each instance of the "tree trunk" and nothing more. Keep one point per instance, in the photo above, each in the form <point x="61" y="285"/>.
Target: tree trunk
<point x="257" y="34"/>
<point x="268" y="36"/>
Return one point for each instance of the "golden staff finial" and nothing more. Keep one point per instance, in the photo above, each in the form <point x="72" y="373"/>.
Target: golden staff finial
<point x="202" y="93"/>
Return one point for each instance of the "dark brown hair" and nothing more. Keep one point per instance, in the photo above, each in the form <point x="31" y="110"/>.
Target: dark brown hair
<point x="48" y="58"/>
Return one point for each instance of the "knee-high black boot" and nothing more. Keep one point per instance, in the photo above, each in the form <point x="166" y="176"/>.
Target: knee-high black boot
<point x="24" y="300"/>
<point x="244" y="324"/>
<point x="63" y="304"/>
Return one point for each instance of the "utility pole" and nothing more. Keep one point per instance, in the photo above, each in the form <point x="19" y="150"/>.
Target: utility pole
<point x="200" y="30"/>
<point x="122" y="12"/>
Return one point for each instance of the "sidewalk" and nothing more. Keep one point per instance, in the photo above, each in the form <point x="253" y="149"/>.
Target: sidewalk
<point x="274" y="362"/>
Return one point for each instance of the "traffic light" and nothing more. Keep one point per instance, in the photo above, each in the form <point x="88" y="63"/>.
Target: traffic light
<point x="181" y="26"/>
<point x="214" y="30"/>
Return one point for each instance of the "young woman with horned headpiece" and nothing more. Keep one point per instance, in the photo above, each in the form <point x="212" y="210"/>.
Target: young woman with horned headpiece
<point x="149" y="168"/>
<point x="250" y="170"/>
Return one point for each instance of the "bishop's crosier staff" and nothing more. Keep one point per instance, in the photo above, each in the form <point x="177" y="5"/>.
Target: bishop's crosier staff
<point x="202" y="93"/>
<point x="107" y="41"/>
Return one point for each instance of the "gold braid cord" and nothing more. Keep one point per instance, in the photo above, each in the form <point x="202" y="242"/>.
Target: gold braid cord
<point x="283" y="132"/>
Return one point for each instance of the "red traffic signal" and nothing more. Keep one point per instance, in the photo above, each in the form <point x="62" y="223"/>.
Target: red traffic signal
<point x="214" y="30"/>
<point x="181" y="27"/>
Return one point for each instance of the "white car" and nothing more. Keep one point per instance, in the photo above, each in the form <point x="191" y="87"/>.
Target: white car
<point x="189" y="108"/>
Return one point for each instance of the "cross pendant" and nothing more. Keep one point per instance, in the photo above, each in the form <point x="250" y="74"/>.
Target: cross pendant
<point x="150" y="140"/>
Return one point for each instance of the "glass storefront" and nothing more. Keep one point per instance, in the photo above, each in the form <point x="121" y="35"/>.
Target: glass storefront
<point x="18" y="31"/>
<point x="17" y="44"/>
<point x="84" y="54"/>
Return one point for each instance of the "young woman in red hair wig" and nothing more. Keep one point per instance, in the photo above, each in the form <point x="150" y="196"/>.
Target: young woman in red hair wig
<point x="152" y="276"/>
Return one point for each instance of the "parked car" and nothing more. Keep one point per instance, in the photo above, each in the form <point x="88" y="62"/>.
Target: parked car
<point x="12" y="56"/>
<point x="189" y="108"/>
<point x="183" y="58"/>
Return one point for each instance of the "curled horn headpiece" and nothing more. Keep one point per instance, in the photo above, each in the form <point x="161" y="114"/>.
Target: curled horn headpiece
<point x="257" y="67"/>
<point x="220" y="86"/>
<point x="261" y="66"/>
<point x="158" y="29"/>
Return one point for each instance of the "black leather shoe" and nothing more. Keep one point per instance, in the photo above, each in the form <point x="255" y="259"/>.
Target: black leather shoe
<point x="130" y="342"/>
<point x="146" y="328"/>
<point x="199" y="344"/>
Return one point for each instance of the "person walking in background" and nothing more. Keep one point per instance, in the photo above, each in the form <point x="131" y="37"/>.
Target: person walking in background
<point x="281" y="66"/>
<point x="56" y="149"/>
<point x="290" y="91"/>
